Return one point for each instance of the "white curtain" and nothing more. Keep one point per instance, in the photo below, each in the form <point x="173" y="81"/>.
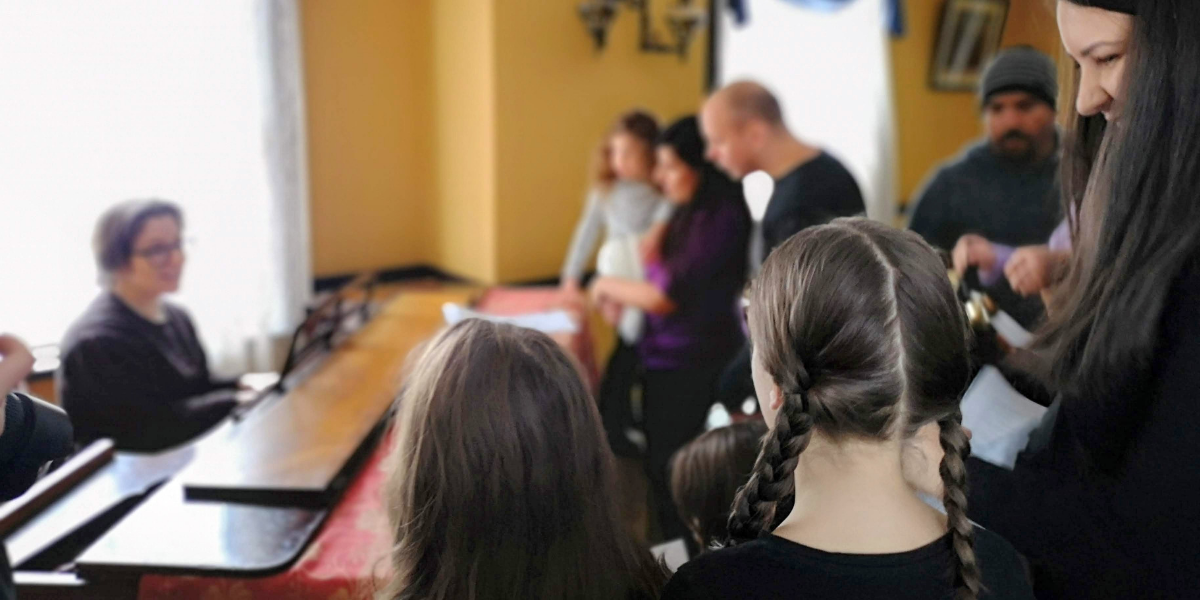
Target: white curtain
<point x="832" y="74"/>
<point x="195" y="101"/>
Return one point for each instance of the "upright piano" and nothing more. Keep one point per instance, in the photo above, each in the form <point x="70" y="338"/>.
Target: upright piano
<point x="248" y="497"/>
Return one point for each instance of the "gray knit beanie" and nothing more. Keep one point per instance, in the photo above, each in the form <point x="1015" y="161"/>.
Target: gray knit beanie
<point x="1024" y="69"/>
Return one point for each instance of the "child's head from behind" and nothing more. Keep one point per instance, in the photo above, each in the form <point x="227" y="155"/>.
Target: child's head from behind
<point x="629" y="147"/>
<point x="500" y="471"/>
<point x="706" y="475"/>
<point x="858" y="338"/>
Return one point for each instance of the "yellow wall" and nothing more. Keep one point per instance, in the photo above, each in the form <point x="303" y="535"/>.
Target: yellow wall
<point x="465" y="123"/>
<point x="368" y="78"/>
<point x="555" y="98"/>
<point x="458" y="133"/>
<point x="933" y="125"/>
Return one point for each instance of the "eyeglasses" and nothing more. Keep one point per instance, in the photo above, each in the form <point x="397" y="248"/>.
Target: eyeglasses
<point x="160" y="254"/>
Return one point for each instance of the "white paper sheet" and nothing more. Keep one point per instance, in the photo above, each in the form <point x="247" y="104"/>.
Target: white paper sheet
<point x="1009" y="329"/>
<point x="674" y="553"/>
<point x="999" y="417"/>
<point x="554" y="321"/>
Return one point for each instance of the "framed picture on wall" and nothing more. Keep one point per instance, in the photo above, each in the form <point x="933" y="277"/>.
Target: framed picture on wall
<point x="968" y="37"/>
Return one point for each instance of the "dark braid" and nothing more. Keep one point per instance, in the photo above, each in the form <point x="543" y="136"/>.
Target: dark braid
<point x="773" y="480"/>
<point x="956" y="446"/>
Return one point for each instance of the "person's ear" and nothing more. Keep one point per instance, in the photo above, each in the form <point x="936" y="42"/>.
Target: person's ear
<point x="922" y="459"/>
<point x="776" y="400"/>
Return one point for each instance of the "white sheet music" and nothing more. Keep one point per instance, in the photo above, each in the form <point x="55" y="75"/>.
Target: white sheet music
<point x="674" y="553"/>
<point x="1009" y="329"/>
<point x="553" y="321"/>
<point x="999" y="417"/>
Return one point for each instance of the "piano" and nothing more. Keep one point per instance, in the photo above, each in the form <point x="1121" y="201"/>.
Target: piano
<point x="247" y="498"/>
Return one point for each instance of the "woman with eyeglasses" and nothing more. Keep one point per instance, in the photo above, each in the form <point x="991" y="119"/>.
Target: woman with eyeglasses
<point x="133" y="369"/>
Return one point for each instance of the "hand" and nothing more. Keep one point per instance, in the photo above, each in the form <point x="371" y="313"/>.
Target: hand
<point x="1030" y="270"/>
<point x="973" y="251"/>
<point x="16" y="363"/>
<point x="257" y="383"/>
<point x="650" y="246"/>
<point x="611" y="311"/>
<point x="569" y="286"/>
<point x="570" y="295"/>
<point x="244" y="396"/>
<point x="598" y="291"/>
<point x="603" y="303"/>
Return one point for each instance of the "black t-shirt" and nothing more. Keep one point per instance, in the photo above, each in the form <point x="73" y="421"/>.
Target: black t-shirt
<point x="813" y="193"/>
<point x="774" y="568"/>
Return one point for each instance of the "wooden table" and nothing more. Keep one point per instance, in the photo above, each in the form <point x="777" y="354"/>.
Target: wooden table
<point x="181" y="547"/>
<point x="349" y="558"/>
<point x="285" y="448"/>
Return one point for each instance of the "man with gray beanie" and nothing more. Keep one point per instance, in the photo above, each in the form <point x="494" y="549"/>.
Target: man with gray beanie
<point x="1002" y="189"/>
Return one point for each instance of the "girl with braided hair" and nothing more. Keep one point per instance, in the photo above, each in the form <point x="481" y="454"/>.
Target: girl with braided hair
<point x="859" y="361"/>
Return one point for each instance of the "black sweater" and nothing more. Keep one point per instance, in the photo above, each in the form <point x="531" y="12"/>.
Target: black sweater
<point x="1007" y="202"/>
<point x="1109" y="507"/>
<point x="145" y="385"/>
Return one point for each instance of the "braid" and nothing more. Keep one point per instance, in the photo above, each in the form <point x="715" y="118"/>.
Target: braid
<point x="773" y="479"/>
<point x="956" y="446"/>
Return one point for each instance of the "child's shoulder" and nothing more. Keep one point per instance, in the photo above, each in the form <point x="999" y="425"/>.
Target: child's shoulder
<point x="720" y="573"/>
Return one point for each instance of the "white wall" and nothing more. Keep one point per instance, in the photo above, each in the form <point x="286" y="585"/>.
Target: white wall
<point x="832" y="74"/>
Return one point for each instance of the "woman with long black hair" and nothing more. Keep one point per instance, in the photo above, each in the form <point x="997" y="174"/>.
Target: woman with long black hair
<point x="1108" y="504"/>
<point x="690" y="298"/>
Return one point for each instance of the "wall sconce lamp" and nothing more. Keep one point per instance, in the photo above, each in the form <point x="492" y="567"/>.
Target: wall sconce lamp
<point x="684" y="21"/>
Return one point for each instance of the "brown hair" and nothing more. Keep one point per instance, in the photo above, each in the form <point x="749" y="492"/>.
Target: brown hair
<point x="706" y="475"/>
<point x="637" y="123"/>
<point x="501" y="475"/>
<point x="857" y="324"/>
<point x="118" y="228"/>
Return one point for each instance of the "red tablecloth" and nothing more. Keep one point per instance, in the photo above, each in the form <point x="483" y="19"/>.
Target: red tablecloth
<point x="347" y="561"/>
<point x="349" y="558"/>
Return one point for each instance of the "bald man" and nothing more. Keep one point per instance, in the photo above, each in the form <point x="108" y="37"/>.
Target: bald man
<point x="744" y="126"/>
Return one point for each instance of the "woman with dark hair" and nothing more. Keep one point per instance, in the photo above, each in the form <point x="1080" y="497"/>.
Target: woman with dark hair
<point x="1105" y="503"/>
<point x="500" y="478"/>
<point x="859" y="360"/>
<point x="133" y="369"/>
<point x="690" y="298"/>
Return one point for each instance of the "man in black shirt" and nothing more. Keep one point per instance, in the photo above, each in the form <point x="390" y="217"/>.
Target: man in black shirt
<point x="744" y="126"/>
